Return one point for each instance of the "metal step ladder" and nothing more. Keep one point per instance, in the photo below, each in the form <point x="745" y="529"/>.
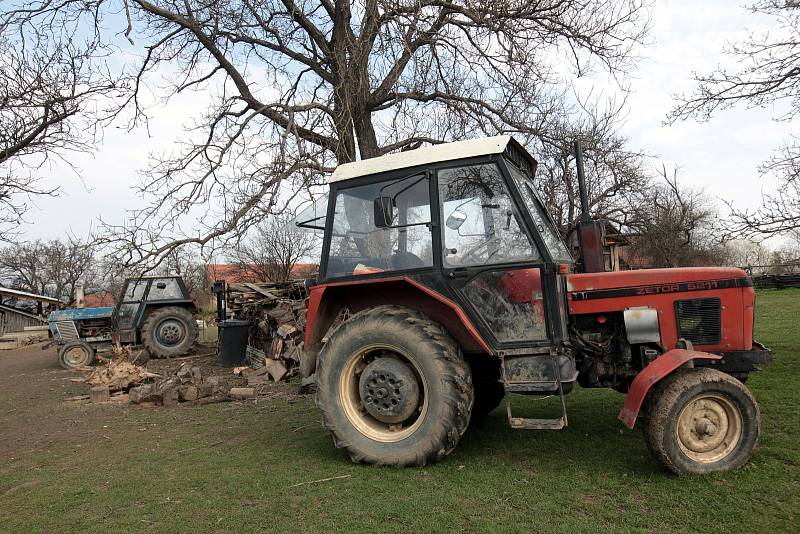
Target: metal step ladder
<point x="527" y="423"/>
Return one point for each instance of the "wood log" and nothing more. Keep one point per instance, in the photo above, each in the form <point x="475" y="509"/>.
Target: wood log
<point x="188" y="392"/>
<point x="140" y="394"/>
<point x="169" y="397"/>
<point x="275" y="369"/>
<point x="212" y="400"/>
<point x="99" y="394"/>
<point x="242" y="393"/>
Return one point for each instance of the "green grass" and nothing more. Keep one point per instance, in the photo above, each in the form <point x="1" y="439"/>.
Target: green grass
<point x="232" y="467"/>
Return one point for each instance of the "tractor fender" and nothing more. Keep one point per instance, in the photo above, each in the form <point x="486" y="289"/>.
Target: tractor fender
<point x="655" y="371"/>
<point x="327" y="300"/>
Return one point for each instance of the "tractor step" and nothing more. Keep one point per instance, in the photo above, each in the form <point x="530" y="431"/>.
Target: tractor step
<point x="533" y="382"/>
<point x="526" y="423"/>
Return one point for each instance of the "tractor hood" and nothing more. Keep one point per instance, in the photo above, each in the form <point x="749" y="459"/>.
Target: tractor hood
<point x="81" y="313"/>
<point x="618" y="290"/>
<point x="655" y="281"/>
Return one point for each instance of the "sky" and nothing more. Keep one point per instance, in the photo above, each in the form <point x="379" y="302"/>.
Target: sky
<point x="720" y="156"/>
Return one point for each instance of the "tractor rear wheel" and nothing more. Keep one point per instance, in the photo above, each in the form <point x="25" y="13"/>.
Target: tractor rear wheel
<point x="702" y="421"/>
<point x="394" y="388"/>
<point x="76" y="354"/>
<point x="169" y="332"/>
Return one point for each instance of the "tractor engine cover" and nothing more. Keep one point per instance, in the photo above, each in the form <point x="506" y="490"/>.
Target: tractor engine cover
<point x="389" y="390"/>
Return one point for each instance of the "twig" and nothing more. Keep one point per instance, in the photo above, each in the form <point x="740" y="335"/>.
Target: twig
<point x="192" y="357"/>
<point x="320" y="480"/>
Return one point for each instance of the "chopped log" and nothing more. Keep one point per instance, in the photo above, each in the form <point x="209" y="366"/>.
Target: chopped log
<point x="212" y="400"/>
<point x="169" y="397"/>
<point x="205" y="390"/>
<point x="276" y="369"/>
<point x="287" y="331"/>
<point x="277" y="349"/>
<point x="242" y="393"/>
<point x="99" y="394"/>
<point x="188" y="392"/>
<point x="141" y="394"/>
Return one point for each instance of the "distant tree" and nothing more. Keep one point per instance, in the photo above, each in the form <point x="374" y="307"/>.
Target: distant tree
<point x="50" y="82"/>
<point x="676" y="227"/>
<point x="53" y="268"/>
<point x="767" y="74"/>
<point x="747" y="253"/>
<point x="273" y="250"/>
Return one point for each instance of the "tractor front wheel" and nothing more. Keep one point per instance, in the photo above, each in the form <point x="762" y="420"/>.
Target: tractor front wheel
<point x="394" y="388"/>
<point x="702" y="421"/>
<point x="75" y="354"/>
<point x="169" y="332"/>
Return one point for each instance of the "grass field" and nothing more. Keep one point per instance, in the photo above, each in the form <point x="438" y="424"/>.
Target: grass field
<point x="234" y="467"/>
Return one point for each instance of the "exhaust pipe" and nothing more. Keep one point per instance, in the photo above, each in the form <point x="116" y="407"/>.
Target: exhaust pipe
<point x="590" y="232"/>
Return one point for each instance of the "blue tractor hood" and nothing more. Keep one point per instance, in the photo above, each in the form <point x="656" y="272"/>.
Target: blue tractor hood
<point x="83" y="313"/>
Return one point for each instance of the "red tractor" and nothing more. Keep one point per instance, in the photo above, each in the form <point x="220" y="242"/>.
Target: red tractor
<point x="457" y="290"/>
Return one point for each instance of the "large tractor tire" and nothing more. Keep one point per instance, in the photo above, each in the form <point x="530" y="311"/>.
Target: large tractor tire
<point x="394" y="388"/>
<point x="702" y="421"/>
<point x="76" y="354"/>
<point x="169" y="332"/>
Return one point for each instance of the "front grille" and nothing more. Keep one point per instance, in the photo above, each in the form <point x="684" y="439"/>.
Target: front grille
<point x="698" y="320"/>
<point x="67" y="330"/>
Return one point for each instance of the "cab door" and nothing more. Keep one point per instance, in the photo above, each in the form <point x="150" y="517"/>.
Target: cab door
<point x="489" y="259"/>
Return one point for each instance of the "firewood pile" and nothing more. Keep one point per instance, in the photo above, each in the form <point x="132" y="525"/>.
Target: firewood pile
<point x="120" y="379"/>
<point x="277" y="316"/>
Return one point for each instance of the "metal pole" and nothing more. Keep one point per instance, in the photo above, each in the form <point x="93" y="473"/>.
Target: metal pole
<point x="581" y="182"/>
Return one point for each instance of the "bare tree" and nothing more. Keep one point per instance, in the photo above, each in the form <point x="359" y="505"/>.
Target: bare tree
<point x="676" y="227"/>
<point x="273" y="251"/>
<point x="614" y="173"/>
<point x="51" y="83"/>
<point x="54" y="268"/>
<point x="299" y="86"/>
<point x="766" y="74"/>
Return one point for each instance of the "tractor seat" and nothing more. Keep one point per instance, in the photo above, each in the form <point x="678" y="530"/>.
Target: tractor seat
<point x="406" y="260"/>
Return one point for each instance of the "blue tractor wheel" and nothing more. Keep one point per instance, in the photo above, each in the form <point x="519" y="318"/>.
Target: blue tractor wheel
<point x="75" y="354"/>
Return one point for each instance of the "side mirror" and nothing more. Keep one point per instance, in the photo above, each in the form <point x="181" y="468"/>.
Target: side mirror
<point x="161" y="285"/>
<point x="455" y="220"/>
<point x="384" y="212"/>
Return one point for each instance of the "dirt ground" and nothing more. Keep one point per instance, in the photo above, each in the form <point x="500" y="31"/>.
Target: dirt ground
<point x="34" y="412"/>
<point x="33" y="415"/>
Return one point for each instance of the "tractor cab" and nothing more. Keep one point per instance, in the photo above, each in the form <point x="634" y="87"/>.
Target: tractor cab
<point x="141" y="295"/>
<point x="463" y="218"/>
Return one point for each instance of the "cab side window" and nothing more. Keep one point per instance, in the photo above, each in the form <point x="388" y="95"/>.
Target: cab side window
<point x="480" y="224"/>
<point x="399" y="240"/>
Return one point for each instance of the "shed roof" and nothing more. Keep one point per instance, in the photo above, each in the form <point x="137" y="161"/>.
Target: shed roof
<point x="422" y="156"/>
<point x="8" y="292"/>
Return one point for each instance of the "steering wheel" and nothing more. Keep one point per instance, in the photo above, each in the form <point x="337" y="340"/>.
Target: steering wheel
<point x="472" y="253"/>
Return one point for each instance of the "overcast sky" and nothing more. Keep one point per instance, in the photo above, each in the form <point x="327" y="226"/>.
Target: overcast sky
<point x="720" y="156"/>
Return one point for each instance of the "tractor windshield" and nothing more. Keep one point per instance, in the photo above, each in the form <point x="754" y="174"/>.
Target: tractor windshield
<point x="551" y="237"/>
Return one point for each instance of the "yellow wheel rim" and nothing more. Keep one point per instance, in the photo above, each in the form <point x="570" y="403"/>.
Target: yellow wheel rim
<point x="709" y="428"/>
<point x="350" y="398"/>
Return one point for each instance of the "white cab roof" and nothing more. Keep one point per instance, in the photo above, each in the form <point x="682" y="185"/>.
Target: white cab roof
<point x="422" y="156"/>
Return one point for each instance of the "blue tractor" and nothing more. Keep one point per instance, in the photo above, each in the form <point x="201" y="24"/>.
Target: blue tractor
<point x="155" y="312"/>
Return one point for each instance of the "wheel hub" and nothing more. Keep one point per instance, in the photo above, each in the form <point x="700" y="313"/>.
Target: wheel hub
<point x="76" y="356"/>
<point x="709" y="428"/>
<point x="389" y="390"/>
<point x="170" y="332"/>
